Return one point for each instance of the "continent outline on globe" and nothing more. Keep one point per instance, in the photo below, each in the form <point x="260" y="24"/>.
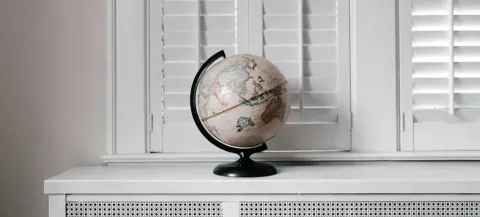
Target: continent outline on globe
<point x="243" y="83"/>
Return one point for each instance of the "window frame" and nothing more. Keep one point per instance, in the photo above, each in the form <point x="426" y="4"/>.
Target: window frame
<point x="374" y="77"/>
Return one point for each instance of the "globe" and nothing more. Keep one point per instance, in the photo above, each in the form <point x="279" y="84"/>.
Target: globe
<point x="242" y="101"/>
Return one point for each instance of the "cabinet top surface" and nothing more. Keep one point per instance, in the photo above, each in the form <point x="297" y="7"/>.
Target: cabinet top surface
<point x="292" y="178"/>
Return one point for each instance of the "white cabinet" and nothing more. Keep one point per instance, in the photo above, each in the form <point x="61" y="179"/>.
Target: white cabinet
<point x="324" y="189"/>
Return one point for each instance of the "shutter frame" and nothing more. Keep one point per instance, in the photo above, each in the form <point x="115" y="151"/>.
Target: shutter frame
<point x="172" y="139"/>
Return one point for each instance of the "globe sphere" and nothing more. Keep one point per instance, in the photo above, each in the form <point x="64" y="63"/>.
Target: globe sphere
<point x="243" y="100"/>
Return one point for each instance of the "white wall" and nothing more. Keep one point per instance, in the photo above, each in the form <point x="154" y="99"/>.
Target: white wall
<point x="52" y="96"/>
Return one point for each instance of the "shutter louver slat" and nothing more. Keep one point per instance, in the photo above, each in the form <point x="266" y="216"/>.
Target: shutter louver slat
<point x="287" y="36"/>
<point x="182" y="7"/>
<point x="182" y="53"/>
<point x="310" y="68"/>
<point x="208" y="38"/>
<point x="208" y="23"/>
<point x="431" y="55"/>
<point x="289" y="21"/>
<point x="310" y="52"/>
<point x="429" y="70"/>
<point x="289" y="6"/>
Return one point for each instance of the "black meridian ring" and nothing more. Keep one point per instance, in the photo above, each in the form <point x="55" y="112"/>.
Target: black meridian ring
<point x="196" y="118"/>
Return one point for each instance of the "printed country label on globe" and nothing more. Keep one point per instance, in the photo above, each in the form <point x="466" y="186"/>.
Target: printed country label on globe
<point x="243" y="100"/>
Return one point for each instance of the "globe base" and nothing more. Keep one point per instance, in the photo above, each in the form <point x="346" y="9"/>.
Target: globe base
<point x="245" y="167"/>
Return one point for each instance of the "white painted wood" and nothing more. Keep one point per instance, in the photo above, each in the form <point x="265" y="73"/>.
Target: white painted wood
<point x="198" y="33"/>
<point x="454" y="136"/>
<point x="463" y="115"/>
<point x="255" y="27"/>
<point x="130" y="77"/>
<point x="286" y="140"/>
<point x="367" y="137"/>
<point x="191" y="32"/>
<point x="344" y="77"/>
<point x="289" y="21"/>
<point x="290" y="6"/>
<point x="178" y="35"/>
<point x="300" y="54"/>
<point x="56" y="205"/>
<point x="311" y="36"/>
<point x="324" y="178"/>
<point x="405" y="75"/>
<point x="179" y="54"/>
<point x="290" y="53"/>
<point x="173" y="7"/>
<point x="242" y="26"/>
<point x="147" y="65"/>
<point x="231" y="209"/>
<point x="315" y="100"/>
<point x="440" y="95"/>
<point x="111" y="67"/>
<point x="278" y="197"/>
<point x="156" y="75"/>
<point x="451" y="66"/>
<point x="298" y="156"/>
<point x="374" y="83"/>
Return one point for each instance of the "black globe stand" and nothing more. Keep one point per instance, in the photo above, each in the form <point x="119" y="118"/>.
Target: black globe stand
<point x="244" y="166"/>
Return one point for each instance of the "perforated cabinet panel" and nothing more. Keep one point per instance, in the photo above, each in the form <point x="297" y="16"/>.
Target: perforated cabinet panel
<point x="141" y="209"/>
<point x="359" y="208"/>
<point x="274" y="208"/>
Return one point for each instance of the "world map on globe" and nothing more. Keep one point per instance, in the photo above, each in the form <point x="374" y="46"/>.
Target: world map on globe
<point x="243" y="100"/>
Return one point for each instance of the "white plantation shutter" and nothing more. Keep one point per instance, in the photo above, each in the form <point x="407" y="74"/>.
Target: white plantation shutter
<point x="187" y="43"/>
<point x="190" y="31"/>
<point x="312" y="52"/>
<point x="440" y="57"/>
<point x="186" y="32"/>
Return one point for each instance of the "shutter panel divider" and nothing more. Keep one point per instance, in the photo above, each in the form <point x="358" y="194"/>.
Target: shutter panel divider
<point x="157" y="75"/>
<point x="406" y="74"/>
<point x="198" y="32"/>
<point x="300" y="53"/>
<point x="256" y="28"/>
<point x="344" y="114"/>
<point x="242" y="26"/>
<point x="129" y="97"/>
<point x="451" y="74"/>
<point x="148" y="73"/>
